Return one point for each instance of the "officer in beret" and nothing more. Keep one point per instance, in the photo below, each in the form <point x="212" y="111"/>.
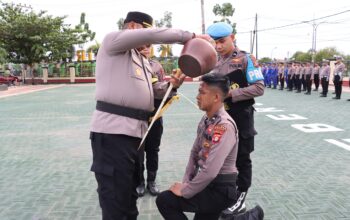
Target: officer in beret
<point x="209" y="183"/>
<point x="125" y="95"/>
<point x="246" y="82"/>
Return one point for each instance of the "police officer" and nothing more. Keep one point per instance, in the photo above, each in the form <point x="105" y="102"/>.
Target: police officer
<point x="308" y="82"/>
<point x="316" y="75"/>
<point x="125" y="94"/>
<point x="324" y="75"/>
<point x="245" y="85"/>
<point x="281" y="69"/>
<point x="291" y="71"/>
<point x="338" y="76"/>
<point x="298" y="70"/>
<point x="154" y="136"/>
<point x="208" y="185"/>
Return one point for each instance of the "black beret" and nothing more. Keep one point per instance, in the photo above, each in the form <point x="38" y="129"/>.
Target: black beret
<point x="140" y="18"/>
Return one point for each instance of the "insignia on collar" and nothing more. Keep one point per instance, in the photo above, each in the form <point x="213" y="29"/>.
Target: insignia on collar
<point x="138" y="72"/>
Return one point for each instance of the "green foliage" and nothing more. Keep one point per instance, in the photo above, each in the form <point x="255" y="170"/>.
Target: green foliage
<point x="323" y="54"/>
<point x="225" y="11"/>
<point x="94" y="48"/>
<point x="166" y="21"/>
<point x="30" y="37"/>
<point x="265" y="60"/>
<point x="120" y="23"/>
<point x="302" y="57"/>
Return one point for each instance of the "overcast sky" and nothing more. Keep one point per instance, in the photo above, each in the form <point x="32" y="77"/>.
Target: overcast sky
<point x="333" y="31"/>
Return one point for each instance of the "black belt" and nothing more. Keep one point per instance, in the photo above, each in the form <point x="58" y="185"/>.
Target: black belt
<point x="123" y="111"/>
<point x="225" y="178"/>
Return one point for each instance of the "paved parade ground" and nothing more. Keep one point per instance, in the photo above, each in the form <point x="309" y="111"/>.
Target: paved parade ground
<point x="301" y="166"/>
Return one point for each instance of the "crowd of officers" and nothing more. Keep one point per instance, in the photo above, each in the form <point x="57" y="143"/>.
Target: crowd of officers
<point x="299" y="76"/>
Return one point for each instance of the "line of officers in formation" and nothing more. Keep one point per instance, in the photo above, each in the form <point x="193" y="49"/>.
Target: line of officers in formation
<point x="294" y="75"/>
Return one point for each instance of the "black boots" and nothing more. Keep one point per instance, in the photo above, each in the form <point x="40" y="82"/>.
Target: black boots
<point x="151" y="185"/>
<point x="152" y="188"/>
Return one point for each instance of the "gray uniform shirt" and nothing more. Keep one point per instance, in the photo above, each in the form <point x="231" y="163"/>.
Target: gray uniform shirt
<point x="325" y="72"/>
<point x="214" y="152"/>
<point x="238" y="60"/>
<point x="339" y="70"/>
<point x="123" y="77"/>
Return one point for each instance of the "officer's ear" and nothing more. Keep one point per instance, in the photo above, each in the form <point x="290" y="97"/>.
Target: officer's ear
<point x="233" y="37"/>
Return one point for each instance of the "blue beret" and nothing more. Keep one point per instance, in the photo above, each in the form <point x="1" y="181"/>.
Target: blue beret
<point x="219" y="30"/>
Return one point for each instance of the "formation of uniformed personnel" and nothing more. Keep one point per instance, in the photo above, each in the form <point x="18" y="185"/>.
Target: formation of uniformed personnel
<point x="324" y="76"/>
<point x="125" y="101"/>
<point x="246" y="83"/>
<point x="338" y="76"/>
<point x="209" y="183"/>
<point x="153" y="140"/>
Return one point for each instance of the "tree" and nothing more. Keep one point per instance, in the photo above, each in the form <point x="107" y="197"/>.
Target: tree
<point x="120" y="23"/>
<point x="166" y="21"/>
<point x="302" y="56"/>
<point x="327" y="53"/>
<point x="225" y="10"/>
<point x="265" y="60"/>
<point x="94" y="48"/>
<point x="30" y="37"/>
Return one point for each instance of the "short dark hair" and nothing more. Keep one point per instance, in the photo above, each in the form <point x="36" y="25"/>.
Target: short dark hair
<point x="218" y="81"/>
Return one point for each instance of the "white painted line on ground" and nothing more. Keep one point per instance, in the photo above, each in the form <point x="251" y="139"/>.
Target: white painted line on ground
<point x="30" y="91"/>
<point x="339" y="144"/>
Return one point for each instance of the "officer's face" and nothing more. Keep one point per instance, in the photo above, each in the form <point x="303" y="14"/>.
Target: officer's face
<point x="206" y="97"/>
<point x="145" y="50"/>
<point x="224" y="46"/>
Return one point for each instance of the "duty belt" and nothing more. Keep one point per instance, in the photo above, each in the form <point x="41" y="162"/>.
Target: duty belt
<point x="123" y="111"/>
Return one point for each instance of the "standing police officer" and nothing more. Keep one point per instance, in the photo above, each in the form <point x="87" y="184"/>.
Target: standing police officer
<point x="338" y="76"/>
<point x="316" y="75"/>
<point x="125" y="95"/>
<point x="324" y="75"/>
<point x="209" y="183"/>
<point x="154" y="136"/>
<point x="245" y="85"/>
<point x="308" y="82"/>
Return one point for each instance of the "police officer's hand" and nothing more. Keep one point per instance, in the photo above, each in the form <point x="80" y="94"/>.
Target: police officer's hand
<point x="176" y="188"/>
<point x="177" y="79"/>
<point x="207" y="38"/>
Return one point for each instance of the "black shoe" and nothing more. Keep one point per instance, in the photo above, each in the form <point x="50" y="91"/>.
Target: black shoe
<point x="237" y="208"/>
<point x="323" y="95"/>
<point x="336" y="98"/>
<point x="315" y="90"/>
<point x="274" y="88"/>
<point x="348" y="100"/>
<point x="298" y="91"/>
<point x="256" y="213"/>
<point x="333" y="92"/>
<point x="152" y="188"/>
<point x="140" y="190"/>
<point x="307" y="93"/>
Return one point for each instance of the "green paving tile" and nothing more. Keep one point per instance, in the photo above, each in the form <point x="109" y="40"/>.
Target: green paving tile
<point x="45" y="156"/>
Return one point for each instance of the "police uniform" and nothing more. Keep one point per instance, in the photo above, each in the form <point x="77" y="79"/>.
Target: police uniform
<point x="308" y="74"/>
<point x="153" y="139"/>
<point x="124" y="95"/>
<point x="316" y="76"/>
<point x="324" y="75"/>
<point x="210" y="173"/>
<point x="297" y="74"/>
<point x="240" y="104"/>
<point x="339" y="70"/>
<point x="281" y="69"/>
